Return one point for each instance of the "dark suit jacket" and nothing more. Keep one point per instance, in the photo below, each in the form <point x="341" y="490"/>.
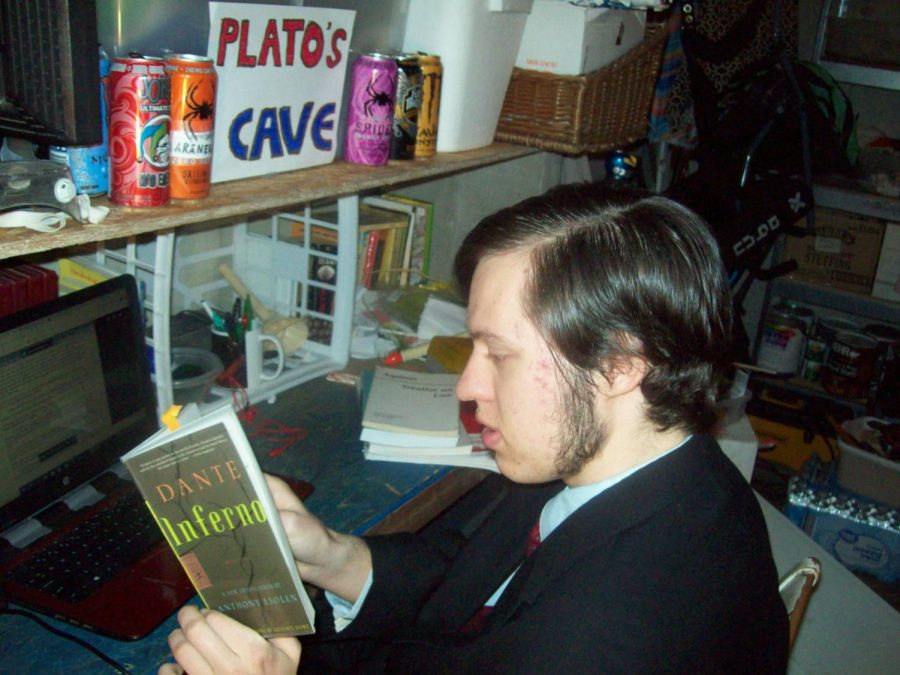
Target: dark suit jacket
<point x="668" y="571"/>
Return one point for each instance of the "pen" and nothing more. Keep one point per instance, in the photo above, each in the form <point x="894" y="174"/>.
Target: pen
<point x="218" y="321"/>
<point x="408" y="354"/>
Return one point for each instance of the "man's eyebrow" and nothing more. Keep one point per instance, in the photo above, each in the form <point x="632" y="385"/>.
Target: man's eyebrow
<point x="488" y="336"/>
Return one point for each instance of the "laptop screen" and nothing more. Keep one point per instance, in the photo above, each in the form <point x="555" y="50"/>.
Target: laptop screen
<point x="75" y="394"/>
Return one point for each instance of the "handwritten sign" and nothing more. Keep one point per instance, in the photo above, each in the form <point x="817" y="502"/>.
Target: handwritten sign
<point x="281" y="76"/>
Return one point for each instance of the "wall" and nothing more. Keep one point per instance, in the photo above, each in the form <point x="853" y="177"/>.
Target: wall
<point x="183" y="25"/>
<point x="460" y="201"/>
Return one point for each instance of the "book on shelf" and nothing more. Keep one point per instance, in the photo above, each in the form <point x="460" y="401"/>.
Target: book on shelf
<point x="395" y="260"/>
<point x="411" y="402"/>
<point x="417" y="255"/>
<point x="203" y="486"/>
<point x="377" y="226"/>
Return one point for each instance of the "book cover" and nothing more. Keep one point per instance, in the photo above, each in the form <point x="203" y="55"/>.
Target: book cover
<point x="412" y="402"/>
<point x="204" y="488"/>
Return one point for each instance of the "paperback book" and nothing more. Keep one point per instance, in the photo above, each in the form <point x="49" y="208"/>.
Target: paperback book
<point x="204" y="488"/>
<point x="411" y="402"/>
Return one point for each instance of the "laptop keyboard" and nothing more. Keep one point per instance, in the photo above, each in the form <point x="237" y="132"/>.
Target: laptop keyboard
<point x="94" y="551"/>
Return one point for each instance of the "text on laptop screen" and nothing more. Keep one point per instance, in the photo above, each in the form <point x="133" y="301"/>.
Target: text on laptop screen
<point x="75" y="394"/>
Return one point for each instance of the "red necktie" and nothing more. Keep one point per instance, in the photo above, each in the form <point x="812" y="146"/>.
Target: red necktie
<point x="479" y="619"/>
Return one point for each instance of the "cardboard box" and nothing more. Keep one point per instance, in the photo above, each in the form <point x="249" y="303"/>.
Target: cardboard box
<point x="567" y="40"/>
<point x="843" y="254"/>
<point x="887" y="275"/>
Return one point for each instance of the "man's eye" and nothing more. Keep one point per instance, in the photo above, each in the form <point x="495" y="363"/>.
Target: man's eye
<point x="496" y="358"/>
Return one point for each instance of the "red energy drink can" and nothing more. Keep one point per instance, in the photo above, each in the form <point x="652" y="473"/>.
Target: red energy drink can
<point x="139" y="107"/>
<point x="407" y="101"/>
<point x="370" y="113"/>
<point x="426" y="135"/>
<point x="193" y="81"/>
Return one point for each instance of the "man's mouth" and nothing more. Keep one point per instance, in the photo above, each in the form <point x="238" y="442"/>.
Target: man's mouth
<point x="491" y="437"/>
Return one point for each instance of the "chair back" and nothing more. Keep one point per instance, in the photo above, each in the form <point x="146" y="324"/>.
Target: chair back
<point x="795" y="588"/>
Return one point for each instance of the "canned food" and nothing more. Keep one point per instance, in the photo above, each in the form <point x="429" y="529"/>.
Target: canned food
<point x="426" y="135"/>
<point x="407" y="101"/>
<point x="370" y="113"/>
<point x="139" y="108"/>
<point x="193" y="81"/>
<point x="805" y="314"/>
<point x="813" y="358"/>
<point x="782" y="342"/>
<point x="851" y="365"/>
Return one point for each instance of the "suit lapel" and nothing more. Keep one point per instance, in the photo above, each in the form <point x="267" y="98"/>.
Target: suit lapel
<point x="495" y="550"/>
<point x="592" y="529"/>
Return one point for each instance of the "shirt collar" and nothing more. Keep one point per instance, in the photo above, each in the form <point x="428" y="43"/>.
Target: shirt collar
<point x="570" y="499"/>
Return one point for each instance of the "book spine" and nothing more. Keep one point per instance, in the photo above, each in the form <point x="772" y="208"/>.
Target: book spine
<point x="369" y="260"/>
<point x="385" y="265"/>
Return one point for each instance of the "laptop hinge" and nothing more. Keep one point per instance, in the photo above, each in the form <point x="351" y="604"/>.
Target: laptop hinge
<point x="26" y="532"/>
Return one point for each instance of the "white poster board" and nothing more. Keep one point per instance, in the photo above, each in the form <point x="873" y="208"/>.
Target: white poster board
<point x="281" y="76"/>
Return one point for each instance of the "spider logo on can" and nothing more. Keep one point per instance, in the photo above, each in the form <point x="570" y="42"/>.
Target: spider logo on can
<point x="201" y="110"/>
<point x="383" y="99"/>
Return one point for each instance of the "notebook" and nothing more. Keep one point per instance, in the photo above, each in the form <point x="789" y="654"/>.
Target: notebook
<point x="75" y="395"/>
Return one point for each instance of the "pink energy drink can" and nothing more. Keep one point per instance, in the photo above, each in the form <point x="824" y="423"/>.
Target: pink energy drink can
<point x="370" y="113"/>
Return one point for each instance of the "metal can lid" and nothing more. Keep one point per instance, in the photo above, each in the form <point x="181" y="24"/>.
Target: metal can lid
<point x="783" y="314"/>
<point x="856" y="340"/>
<point x="834" y="325"/>
<point x="883" y="333"/>
<point x="192" y="58"/>
<point x="378" y="56"/>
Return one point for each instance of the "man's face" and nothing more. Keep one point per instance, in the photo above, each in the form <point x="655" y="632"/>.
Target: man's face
<point x="514" y="379"/>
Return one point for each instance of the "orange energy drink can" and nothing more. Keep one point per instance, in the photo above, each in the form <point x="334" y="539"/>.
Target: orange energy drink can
<point x="426" y="134"/>
<point x="193" y="119"/>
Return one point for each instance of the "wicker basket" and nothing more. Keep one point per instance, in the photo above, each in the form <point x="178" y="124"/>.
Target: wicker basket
<point x="575" y="114"/>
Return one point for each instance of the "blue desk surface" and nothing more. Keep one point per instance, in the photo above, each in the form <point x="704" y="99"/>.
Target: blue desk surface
<point x="350" y="494"/>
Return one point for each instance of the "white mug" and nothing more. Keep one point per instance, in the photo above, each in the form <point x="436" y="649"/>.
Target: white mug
<point x="255" y="344"/>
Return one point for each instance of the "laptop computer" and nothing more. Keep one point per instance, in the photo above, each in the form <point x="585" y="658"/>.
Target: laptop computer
<point x="76" y="394"/>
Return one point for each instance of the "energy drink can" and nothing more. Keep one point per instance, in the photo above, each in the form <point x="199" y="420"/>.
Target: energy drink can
<point x="370" y="113"/>
<point x="407" y="101"/>
<point x="139" y="107"/>
<point x="89" y="164"/>
<point x="426" y="135"/>
<point x="193" y="81"/>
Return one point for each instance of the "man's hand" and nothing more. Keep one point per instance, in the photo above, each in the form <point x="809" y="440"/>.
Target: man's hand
<point x="334" y="562"/>
<point x="209" y="642"/>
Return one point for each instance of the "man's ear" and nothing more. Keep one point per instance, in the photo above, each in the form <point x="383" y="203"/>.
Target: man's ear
<point x="625" y="375"/>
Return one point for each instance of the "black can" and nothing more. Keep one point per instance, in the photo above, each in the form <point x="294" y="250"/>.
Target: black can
<point x="407" y="103"/>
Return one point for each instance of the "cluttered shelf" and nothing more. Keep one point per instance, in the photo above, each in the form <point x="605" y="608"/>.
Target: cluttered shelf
<point x="859" y="304"/>
<point x="257" y="195"/>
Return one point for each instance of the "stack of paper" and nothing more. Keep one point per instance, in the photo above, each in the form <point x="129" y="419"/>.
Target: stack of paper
<point x="415" y="417"/>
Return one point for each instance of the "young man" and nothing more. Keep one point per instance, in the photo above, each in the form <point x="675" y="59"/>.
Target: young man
<point x="600" y="324"/>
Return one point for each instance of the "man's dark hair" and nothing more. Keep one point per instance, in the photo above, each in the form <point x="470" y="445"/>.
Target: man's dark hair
<point x="619" y="273"/>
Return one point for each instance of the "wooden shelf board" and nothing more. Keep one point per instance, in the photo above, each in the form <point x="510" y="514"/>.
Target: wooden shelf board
<point x="236" y="200"/>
